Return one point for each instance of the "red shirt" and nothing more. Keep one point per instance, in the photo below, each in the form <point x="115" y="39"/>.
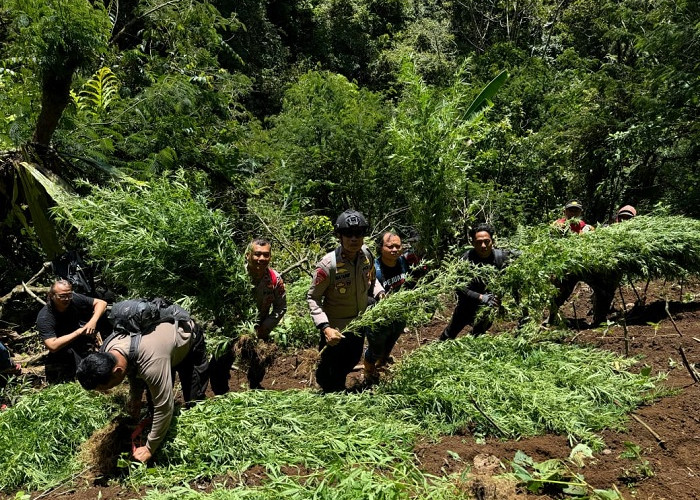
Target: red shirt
<point x="577" y="228"/>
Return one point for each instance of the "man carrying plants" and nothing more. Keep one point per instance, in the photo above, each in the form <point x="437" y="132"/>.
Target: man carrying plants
<point x="340" y="291"/>
<point x="603" y="286"/>
<point x="571" y="222"/>
<point x="271" y="301"/>
<point x="393" y="268"/>
<point x="151" y="355"/>
<point x="69" y="324"/>
<point x="476" y="294"/>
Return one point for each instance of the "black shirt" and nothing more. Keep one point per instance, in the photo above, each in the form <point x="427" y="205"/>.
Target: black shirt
<point x="497" y="258"/>
<point x="52" y="324"/>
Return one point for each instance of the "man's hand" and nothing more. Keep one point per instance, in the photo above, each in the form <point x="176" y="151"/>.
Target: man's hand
<point x="489" y="299"/>
<point x="90" y="328"/>
<point x="332" y="335"/>
<point x="142" y="454"/>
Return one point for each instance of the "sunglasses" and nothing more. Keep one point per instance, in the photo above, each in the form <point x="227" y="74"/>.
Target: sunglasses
<point x="358" y="233"/>
<point x="64" y="296"/>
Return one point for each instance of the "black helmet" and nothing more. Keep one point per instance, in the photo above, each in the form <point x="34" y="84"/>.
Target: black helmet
<point x="350" y="219"/>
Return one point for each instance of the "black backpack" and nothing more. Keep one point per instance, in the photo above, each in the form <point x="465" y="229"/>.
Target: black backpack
<point x="138" y="317"/>
<point x="71" y="267"/>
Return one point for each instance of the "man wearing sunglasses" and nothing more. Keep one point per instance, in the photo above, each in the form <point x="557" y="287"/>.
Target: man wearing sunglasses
<point x="68" y="325"/>
<point x="340" y="290"/>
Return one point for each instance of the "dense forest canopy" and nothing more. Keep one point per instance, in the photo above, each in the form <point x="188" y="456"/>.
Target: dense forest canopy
<point x="196" y="125"/>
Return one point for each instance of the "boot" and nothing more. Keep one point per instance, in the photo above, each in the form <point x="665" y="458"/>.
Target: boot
<point x="371" y="374"/>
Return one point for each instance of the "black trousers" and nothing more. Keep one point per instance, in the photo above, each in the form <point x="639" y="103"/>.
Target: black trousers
<point x="194" y="369"/>
<point x="603" y="287"/>
<point x="381" y="340"/>
<point x="220" y="370"/>
<point x="338" y="360"/>
<point x="463" y="315"/>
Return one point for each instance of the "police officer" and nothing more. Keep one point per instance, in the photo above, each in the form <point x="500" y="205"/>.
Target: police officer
<point x="341" y="287"/>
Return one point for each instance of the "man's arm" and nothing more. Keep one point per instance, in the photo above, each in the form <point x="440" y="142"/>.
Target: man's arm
<point x="55" y="344"/>
<point x="314" y="297"/>
<point x="160" y="385"/>
<point x="99" y="306"/>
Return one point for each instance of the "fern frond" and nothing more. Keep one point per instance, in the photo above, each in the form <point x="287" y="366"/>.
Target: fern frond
<point x="98" y="92"/>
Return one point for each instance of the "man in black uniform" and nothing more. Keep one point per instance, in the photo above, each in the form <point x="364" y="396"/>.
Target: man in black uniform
<point x="475" y="295"/>
<point x="68" y="325"/>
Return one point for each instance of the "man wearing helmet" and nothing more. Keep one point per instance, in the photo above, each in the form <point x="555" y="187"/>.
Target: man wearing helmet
<point x="340" y="290"/>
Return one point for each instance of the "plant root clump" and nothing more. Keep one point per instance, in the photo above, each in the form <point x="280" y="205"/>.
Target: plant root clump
<point x="250" y="351"/>
<point x="101" y="452"/>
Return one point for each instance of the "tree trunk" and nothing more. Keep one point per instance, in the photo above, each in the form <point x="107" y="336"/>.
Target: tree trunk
<point x="55" y="96"/>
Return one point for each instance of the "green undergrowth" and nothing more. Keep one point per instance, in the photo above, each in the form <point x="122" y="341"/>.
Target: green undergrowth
<point x="232" y="433"/>
<point x="507" y="387"/>
<point x="41" y="434"/>
<point x="334" y="483"/>
<point x="499" y="386"/>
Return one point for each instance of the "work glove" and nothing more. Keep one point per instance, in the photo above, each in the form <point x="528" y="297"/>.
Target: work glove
<point x="489" y="299"/>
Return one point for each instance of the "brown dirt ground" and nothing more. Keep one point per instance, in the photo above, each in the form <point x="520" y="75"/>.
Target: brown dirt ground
<point x="667" y="431"/>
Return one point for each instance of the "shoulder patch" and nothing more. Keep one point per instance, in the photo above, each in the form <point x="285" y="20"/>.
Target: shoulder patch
<point x="320" y="276"/>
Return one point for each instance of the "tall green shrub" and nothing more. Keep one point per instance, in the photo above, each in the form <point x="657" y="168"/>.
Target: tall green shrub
<point x="326" y="140"/>
<point x="428" y="137"/>
<point x="161" y="239"/>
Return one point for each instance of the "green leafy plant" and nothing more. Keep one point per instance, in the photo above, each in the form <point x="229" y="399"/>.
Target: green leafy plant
<point x="417" y="305"/>
<point x="555" y="475"/>
<point x="296" y="328"/>
<point x="429" y="136"/>
<point x="35" y="457"/>
<point x="162" y="239"/>
<point x="607" y="255"/>
<point x="98" y="92"/>
<point x="641" y="470"/>
<point x="504" y="387"/>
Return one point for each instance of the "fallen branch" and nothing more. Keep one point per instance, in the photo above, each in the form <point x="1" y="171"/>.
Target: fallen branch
<point x="44" y="268"/>
<point x="696" y="339"/>
<point x="23" y="288"/>
<point x="672" y="320"/>
<point x="693" y="375"/>
<point x="294" y="266"/>
<point x="658" y="438"/>
<point x="476" y="405"/>
<point x="29" y="292"/>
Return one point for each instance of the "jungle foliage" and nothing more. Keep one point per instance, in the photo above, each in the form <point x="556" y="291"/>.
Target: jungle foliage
<point x="311" y="107"/>
<point x="162" y="136"/>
